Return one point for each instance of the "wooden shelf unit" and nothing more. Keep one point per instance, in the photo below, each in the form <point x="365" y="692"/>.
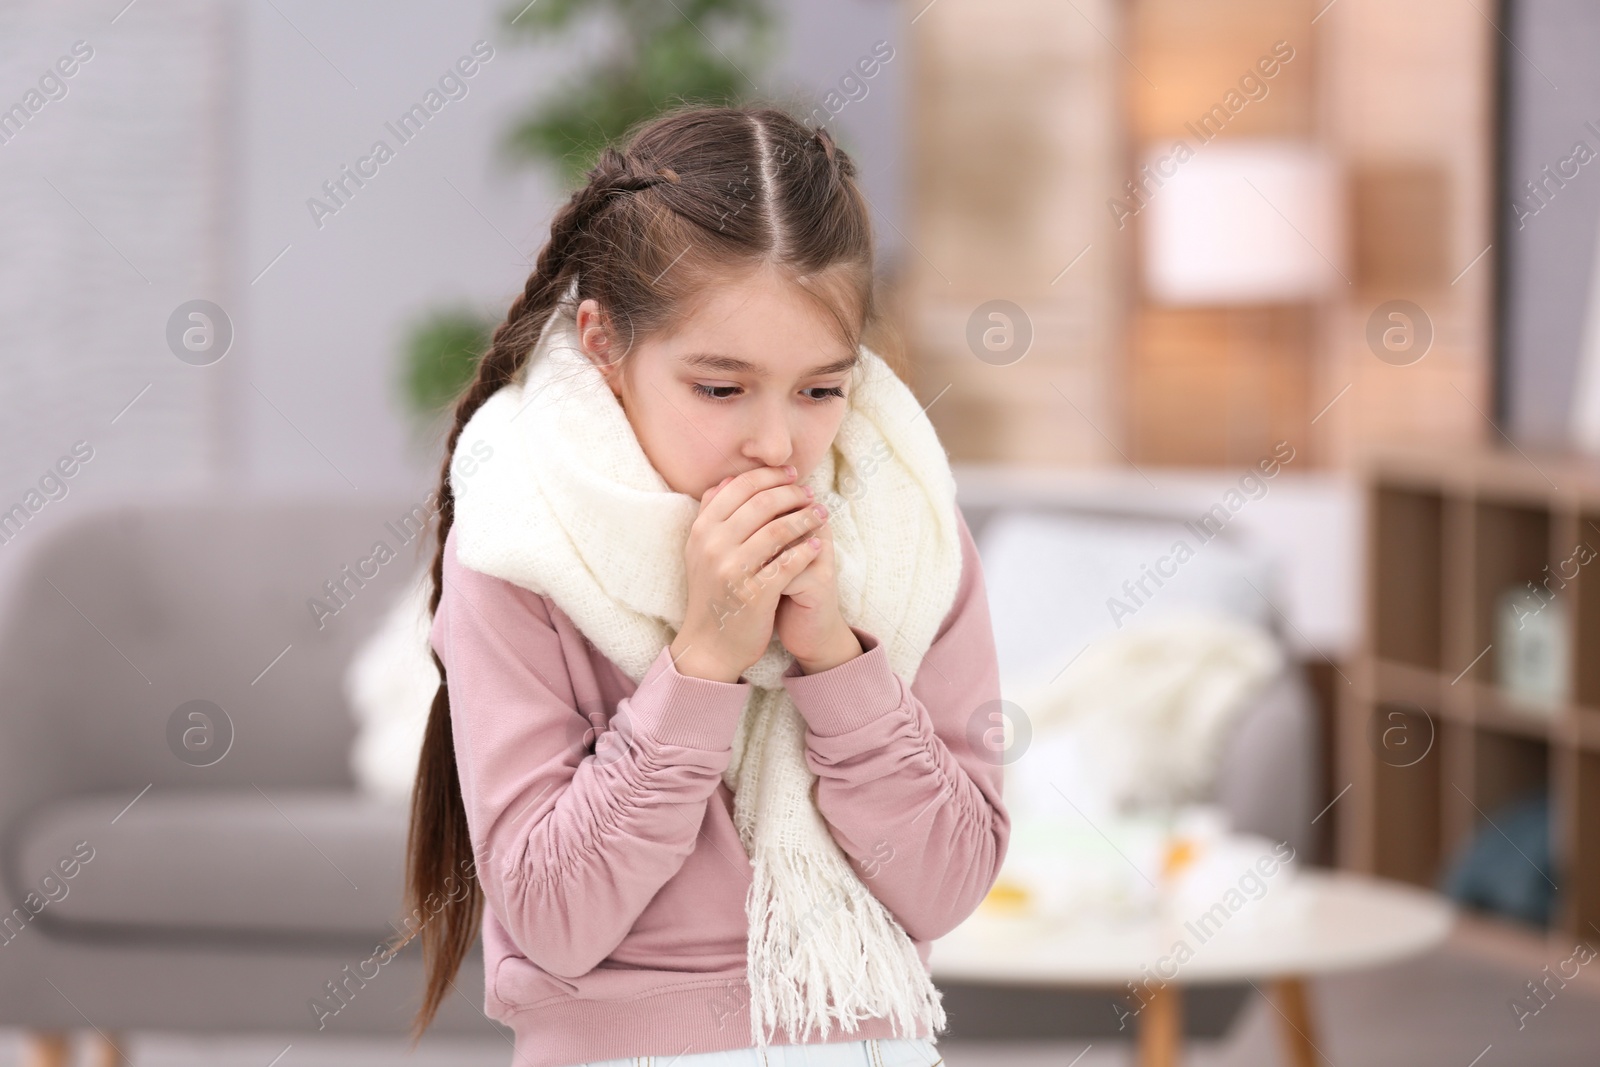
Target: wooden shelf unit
<point x="1446" y="531"/>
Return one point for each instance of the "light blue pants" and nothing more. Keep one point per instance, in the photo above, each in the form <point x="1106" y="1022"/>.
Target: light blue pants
<point x="871" y="1052"/>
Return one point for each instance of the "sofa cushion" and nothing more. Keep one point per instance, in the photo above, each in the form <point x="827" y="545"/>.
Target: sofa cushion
<point x="1057" y="581"/>
<point x="227" y="862"/>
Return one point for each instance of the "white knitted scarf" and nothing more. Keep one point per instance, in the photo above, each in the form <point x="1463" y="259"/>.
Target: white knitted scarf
<point x="572" y="509"/>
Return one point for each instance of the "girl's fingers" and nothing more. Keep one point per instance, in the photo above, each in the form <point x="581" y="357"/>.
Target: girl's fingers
<point x="795" y="558"/>
<point x="740" y="488"/>
<point x="796" y="543"/>
<point x="791" y="531"/>
<point x="706" y="499"/>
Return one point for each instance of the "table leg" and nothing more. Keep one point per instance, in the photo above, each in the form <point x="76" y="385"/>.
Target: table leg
<point x="108" y="1050"/>
<point x="1298" y="1031"/>
<point x="47" y="1048"/>
<point x="1161" y="1027"/>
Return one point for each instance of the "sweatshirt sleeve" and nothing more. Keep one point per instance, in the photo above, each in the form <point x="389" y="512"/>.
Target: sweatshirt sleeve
<point x="572" y="835"/>
<point x="907" y="781"/>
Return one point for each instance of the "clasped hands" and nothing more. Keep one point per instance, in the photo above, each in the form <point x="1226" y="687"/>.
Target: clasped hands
<point x="760" y="560"/>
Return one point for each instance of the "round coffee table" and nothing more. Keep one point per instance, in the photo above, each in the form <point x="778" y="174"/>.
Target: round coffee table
<point x="1340" y="922"/>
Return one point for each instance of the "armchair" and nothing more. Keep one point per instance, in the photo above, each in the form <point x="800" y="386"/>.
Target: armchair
<point x="226" y="874"/>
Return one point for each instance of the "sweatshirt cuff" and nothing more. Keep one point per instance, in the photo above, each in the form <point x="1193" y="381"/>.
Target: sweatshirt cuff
<point x="849" y="696"/>
<point x="685" y="710"/>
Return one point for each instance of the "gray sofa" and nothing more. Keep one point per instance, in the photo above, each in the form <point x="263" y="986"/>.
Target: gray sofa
<point x="228" y="881"/>
<point x="230" y="876"/>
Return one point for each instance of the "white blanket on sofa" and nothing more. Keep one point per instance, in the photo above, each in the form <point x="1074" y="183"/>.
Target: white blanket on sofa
<point x="390" y="685"/>
<point x="1147" y="709"/>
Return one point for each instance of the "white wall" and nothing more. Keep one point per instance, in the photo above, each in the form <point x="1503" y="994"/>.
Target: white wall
<point x="110" y="216"/>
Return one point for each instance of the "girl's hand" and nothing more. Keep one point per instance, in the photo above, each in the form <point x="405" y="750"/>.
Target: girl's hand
<point x="751" y="538"/>
<point x="808" y="620"/>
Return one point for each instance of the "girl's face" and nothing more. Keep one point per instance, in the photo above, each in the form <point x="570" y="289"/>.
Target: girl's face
<point x="757" y="376"/>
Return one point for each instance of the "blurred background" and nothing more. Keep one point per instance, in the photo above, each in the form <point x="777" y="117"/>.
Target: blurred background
<point x="1264" y="336"/>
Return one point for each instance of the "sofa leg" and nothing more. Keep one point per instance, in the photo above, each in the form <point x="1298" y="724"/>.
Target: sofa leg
<point x="106" y="1050"/>
<point x="47" y="1048"/>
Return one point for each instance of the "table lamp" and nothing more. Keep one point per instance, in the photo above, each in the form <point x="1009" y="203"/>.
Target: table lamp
<point x="1241" y="222"/>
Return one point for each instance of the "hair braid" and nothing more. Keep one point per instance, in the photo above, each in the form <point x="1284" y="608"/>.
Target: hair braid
<point x="436" y="796"/>
<point x="613" y="173"/>
<point x="838" y="158"/>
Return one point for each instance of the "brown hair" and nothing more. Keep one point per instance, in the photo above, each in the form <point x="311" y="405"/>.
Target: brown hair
<point x="691" y="195"/>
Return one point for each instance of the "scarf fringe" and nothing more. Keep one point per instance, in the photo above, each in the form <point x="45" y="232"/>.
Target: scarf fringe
<point x="796" y="958"/>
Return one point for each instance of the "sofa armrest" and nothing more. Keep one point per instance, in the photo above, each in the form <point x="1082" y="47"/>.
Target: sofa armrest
<point x="1267" y="779"/>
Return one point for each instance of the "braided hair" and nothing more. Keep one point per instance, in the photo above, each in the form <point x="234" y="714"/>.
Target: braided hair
<point x="688" y="196"/>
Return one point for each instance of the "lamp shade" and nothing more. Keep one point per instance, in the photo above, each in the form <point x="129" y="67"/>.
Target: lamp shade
<point x="1241" y="222"/>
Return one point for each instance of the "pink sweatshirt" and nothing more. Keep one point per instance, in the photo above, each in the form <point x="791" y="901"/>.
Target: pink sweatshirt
<point x="613" y="875"/>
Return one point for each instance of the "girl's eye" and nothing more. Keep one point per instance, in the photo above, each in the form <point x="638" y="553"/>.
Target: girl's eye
<point x="708" y="391"/>
<point x="712" y="392"/>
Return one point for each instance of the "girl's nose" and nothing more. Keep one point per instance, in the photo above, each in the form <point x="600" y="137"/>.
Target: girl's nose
<point x="770" y="441"/>
<point x="771" y="455"/>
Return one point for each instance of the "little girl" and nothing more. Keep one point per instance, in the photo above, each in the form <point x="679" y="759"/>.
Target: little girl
<point x="715" y="740"/>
